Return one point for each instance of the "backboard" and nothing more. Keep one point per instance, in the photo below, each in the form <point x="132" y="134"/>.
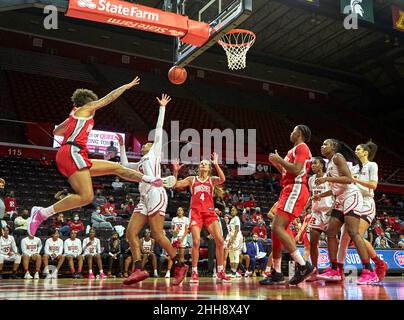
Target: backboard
<point x="221" y="15"/>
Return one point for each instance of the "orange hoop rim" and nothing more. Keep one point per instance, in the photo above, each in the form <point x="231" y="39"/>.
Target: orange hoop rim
<point x="241" y="31"/>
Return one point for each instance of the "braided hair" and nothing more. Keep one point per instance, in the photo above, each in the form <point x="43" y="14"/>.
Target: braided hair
<point x="306" y="132"/>
<point x="371" y="148"/>
<point x="347" y="152"/>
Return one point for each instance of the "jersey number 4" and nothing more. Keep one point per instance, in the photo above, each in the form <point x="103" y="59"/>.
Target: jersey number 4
<point x="202" y="197"/>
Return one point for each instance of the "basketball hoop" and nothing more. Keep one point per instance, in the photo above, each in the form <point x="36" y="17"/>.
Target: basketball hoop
<point x="236" y="43"/>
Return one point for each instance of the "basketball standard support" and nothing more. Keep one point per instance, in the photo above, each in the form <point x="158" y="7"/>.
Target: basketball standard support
<point x="229" y="18"/>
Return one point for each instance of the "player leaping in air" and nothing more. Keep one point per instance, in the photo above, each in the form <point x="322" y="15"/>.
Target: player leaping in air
<point x="153" y="203"/>
<point x="72" y="157"/>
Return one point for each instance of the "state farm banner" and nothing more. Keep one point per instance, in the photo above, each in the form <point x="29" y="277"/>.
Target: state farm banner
<point x="398" y="18"/>
<point x="98" y="141"/>
<point x="131" y="15"/>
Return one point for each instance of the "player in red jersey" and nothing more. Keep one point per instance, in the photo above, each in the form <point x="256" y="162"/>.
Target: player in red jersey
<point x="72" y="158"/>
<point x="203" y="212"/>
<point x="291" y="202"/>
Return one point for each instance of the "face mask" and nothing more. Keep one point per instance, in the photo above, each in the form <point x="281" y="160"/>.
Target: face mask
<point x="98" y="211"/>
<point x="76" y="218"/>
<point x="255" y="240"/>
<point x="111" y="200"/>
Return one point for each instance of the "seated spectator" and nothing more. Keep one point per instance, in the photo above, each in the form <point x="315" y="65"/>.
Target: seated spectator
<point x="111" y="152"/>
<point x="108" y="209"/>
<point x="60" y="224"/>
<point x="72" y="248"/>
<point x="76" y="225"/>
<point x="383" y="244"/>
<point x="31" y="248"/>
<point x="117" y="185"/>
<point x="256" y="214"/>
<point x="99" y="221"/>
<point x="126" y="256"/>
<point x="256" y="251"/>
<point x="61" y="194"/>
<point x="44" y="162"/>
<point x="91" y="251"/>
<point x="10" y="203"/>
<point x="250" y="203"/>
<point x="99" y="200"/>
<point x="9" y="252"/>
<point x="384" y="200"/>
<point x="401" y="242"/>
<point x="379" y="239"/>
<point x="53" y="253"/>
<point x="323" y="240"/>
<point x="260" y="229"/>
<point x="21" y="223"/>
<point x="114" y="254"/>
<point x="246" y="216"/>
<point x="147" y="250"/>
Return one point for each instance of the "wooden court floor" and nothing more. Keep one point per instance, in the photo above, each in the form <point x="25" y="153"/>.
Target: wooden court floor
<point x="392" y="288"/>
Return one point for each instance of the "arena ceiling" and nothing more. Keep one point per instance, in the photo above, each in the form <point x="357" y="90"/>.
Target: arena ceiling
<point x="297" y="44"/>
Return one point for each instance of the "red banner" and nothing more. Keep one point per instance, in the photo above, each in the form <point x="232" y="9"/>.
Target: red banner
<point x="398" y="18"/>
<point x="140" y="17"/>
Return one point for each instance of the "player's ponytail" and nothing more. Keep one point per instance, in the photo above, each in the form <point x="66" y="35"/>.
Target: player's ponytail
<point x="347" y="152"/>
<point x="371" y="148"/>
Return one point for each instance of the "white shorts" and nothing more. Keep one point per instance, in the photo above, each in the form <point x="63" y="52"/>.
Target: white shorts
<point x="16" y="258"/>
<point x="183" y="243"/>
<point x="74" y="256"/>
<point x="89" y="254"/>
<point x="349" y="201"/>
<point x="234" y="256"/>
<point x="319" y="221"/>
<point x="368" y="211"/>
<point x="155" y="200"/>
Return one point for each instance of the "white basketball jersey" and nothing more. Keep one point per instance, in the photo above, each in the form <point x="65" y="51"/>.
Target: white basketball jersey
<point x="7" y="245"/>
<point x="147" y="245"/>
<point x="368" y="173"/>
<point x="325" y="204"/>
<point x="180" y="225"/>
<point x="337" y="188"/>
<point x="93" y="248"/>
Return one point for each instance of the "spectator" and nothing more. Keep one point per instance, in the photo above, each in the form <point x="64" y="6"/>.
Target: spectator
<point x="108" y="209"/>
<point x="9" y="252"/>
<point x="126" y="256"/>
<point x="250" y="203"/>
<point x="114" y="254"/>
<point x="54" y="253"/>
<point x="384" y="244"/>
<point x="378" y="228"/>
<point x="60" y="224"/>
<point x="260" y="229"/>
<point x="117" y="185"/>
<point x="99" y="200"/>
<point x="400" y="244"/>
<point x="30" y="248"/>
<point x="111" y="152"/>
<point x="99" y="221"/>
<point x="147" y="250"/>
<point x="379" y="239"/>
<point x="166" y="170"/>
<point x="256" y="251"/>
<point x="10" y="203"/>
<point x="323" y="240"/>
<point x="76" y="225"/>
<point x="256" y="214"/>
<point x="21" y="223"/>
<point x="44" y="162"/>
<point x="384" y="200"/>
<point x="245" y="216"/>
<point x="91" y="251"/>
<point x="73" y="249"/>
<point x="61" y="194"/>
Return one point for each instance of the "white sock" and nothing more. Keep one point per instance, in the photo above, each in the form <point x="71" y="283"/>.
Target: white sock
<point x="90" y="271"/>
<point x="101" y="271"/>
<point x="297" y="257"/>
<point x="48" y="212"/>
<point x="155" y="271"/>
<point x="219" y="268"/>
<point x="277" y="265"/>
<point x="233" y="270"/>
<point x="195" y="269"/>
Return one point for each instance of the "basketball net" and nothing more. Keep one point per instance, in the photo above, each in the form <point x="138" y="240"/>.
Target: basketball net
<point x="236" y="44"/>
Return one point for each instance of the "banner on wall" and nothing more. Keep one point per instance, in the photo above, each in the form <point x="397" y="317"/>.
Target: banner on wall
<point x="398" y="18"/>
<point x="98" y="141"/>
<point x="363" y="9"/>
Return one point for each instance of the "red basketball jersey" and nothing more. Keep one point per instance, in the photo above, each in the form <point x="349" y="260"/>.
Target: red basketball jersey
<point x="202" y="195"/>
<point x="78" y="129"/>
<point x="301" y="153"/>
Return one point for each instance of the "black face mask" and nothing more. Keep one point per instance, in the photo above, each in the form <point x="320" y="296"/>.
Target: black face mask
<point x="255" y="240"/>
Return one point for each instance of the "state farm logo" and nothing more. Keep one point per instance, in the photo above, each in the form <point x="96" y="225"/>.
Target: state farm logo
<point x="399" y="258"/>
<point x="86" y="3"/>
<point x="323" y="259"/>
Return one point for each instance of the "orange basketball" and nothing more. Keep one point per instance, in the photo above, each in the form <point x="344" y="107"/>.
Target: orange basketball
<point x="177" y="75"/>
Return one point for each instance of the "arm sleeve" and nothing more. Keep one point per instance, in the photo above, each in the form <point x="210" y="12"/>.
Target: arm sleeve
<point x="301" y="153"/>
<point x="125" y="162"/>
<point x="373" y="172"/>
<point x="47" y="248"/>
<point x="158" y="133"/>
<point x="23" y="246"/>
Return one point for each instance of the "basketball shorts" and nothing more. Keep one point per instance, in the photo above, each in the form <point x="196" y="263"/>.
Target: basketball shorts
<point x="351" y="201"/>
<point x="183" y="244"/>
<point x="293" y="199"/>
<point x="16" y="258"/>
<point x="234" y="256"/>
<point x="155" y="200"/>
<point x="202" y="218"/>
<point x="319" y="221"/>
<point x="73" y="255"/>
<point x="88" y="254"/>
<point x="70" y="159"/>
<point x="368" y="211"/>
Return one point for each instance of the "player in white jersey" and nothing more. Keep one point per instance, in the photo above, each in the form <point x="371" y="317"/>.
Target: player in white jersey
<point x="366" y="179"/>
<point x="234" y="241"/>
<point x="320" y="211"/>
<point x="72" y="248"/>
<point x="153" y="203"/>
<point x="9" y="252"/>
<point x="347" y="208"/>
<point x="31" y="248"/>
<point x="92" y="250"/>
<point x="54" y="253"/>
<point x="179" y="230"/>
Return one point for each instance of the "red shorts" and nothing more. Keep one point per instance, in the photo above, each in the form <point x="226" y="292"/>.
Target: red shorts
<point x="293" y="199"/>
<point x="202" y="218"/>
<point x="70" y="159"/>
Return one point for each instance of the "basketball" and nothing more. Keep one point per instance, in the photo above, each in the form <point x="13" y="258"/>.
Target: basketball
<point x="177" y="75"/>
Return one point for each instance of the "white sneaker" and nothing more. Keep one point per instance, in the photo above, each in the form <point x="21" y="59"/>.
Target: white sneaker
<point x="238" y="275"/>
<point x="36" y="275"/>
<point x="54" y="274"/>
<point x="168" y="275"/>
<point x="214" y="276"/>
<point x="156" y="275"/>
<point x="248" y="274"/>
<point x="27" y="276"/>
